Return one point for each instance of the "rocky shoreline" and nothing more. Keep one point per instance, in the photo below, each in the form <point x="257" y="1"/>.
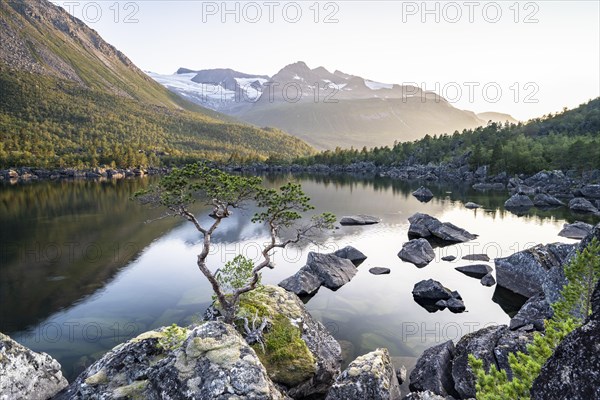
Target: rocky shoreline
<point x="26" y="174"/>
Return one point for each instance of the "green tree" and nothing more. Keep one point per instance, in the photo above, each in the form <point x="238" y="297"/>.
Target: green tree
<point x="281" y="208"/>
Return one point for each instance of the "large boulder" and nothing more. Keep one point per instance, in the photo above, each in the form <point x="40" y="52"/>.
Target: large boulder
<point x="581" y="205"/>
<point x="371" y="376"/>
<point x="327" y="270"/>
<point x="591" y="191"/>
<point x="544" y="200"/>
<point x="535" y="270"/>
<point x="209" y="361"/>
<point x="359" y="220"/>
<point x="576" y="230"/>
<point x="423" y="194"/>
<point x="417" y="251"/>
<point x="533" y="314"/>
<point x="428" y="227"/>
<point x="27" y="375"/>
<point x="433" y="371"/>
<point x="300" y="376"/>
<point x="519" y="202"/>
<point x="431" y="290"/>
<point x="352" y="254"/>
<point x="475" y="271"/>
<point x="573" y="371"/>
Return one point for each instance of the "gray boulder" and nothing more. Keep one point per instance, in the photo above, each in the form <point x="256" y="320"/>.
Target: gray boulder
<point x="573" y="371"/>
<point x="475" y="271"/>
<point x="518" y="202"/>
<point x="471" y="206"/>
<point x="423" y="194"/>
<point x="448" y="258"/>
<point x="433" y="371"/>
<point x="533" y="313"/>
<point x="581" y="205"/>
<point x="417" y="251"/>
<point x="352" y="254"/>
<point x="455" y="305"/>
<point x="543" y="200"/>
<point x="428" y="227"/>
<point x="427" y="395"/>
<point x="212" y="361"/>
<point x="371" y="376"/>
<point x="379" y="271"/>
<point x="591" y="191"/>
<point x="431" y="290"/>
<point x="359" y="220"/>
<point x="535" y="270"/>
<point x="326" y="270"/>
<point x="576" y="230"/>
<point x="488" y="280"/>
<point x="477" y="257"/>
<point x="27" y="375"/>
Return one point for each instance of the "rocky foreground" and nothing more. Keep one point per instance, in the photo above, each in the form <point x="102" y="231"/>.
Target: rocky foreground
<point x="212" y="360"/>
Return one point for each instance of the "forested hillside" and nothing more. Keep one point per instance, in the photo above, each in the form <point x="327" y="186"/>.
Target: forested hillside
<point x="566" y="140"/>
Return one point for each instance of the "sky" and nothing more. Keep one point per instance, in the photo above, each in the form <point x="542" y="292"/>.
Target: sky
<point x="524" y="58"/>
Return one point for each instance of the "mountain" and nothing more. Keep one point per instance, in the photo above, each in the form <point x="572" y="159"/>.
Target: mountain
<point x="327" y="109"/>
<point x="497" y="117"/>
<point x="71" y="99"/>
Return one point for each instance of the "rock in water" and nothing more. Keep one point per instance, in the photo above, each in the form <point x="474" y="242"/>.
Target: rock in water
<point x="371" y="376"/>
<point x="581" y="205"/>
<point x="417" y="251"/>
<point x="533" y="313"/>
<point x="543" y="200"/>
<point x="27" y="375"/>
<point x="576" y="230"/>
<point x="212" y="361"/>
<point x="520" y="202"/>
<point x="423" y="194"/>
<point x="352" y="254"/>
<point x="379" y="271"/>
<point x="303" y="283"/>
<point x="534" y="270"/>
<point x="428" y="227"/>
<point x="475" y="271"/>
<point x="433" y="371"/>
<point x="573" y="371"/>
<point x="591" y="191"/>
<point x="477" y="257"/>
<point x="359" y="220"/>
<point x="471" y="206"/>
<point x="448" y="258"/>
<point x="488" y="280"/>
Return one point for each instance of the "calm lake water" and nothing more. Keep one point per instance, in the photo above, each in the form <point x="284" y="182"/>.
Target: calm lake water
<point x="83" y="270"/>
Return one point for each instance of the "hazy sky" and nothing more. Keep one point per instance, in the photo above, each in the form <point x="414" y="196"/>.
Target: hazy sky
<point x="523" y="58"/>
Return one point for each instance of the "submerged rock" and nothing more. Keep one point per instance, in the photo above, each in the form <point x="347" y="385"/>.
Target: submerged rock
<point x="371" y="376"/>
<point x="573" y="371"/>
<point x="27" y="375"/>
<point x="471" y="206"/>
<point x="475" y="271"/>
<point x="423" y="194"/>
<point x="379" y="271"/>
<point x="212" y="361"/>
<point x="428" y="227"/>
<point x="417" y="251"/>
<point x="576" y="230"/>
<point x="433" y="371"/>
<point x="359" y="220"/>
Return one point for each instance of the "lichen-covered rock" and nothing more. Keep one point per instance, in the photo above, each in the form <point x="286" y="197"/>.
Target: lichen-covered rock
<point x="433" y="371"/>
<point x="535" y="270"/>
<point x="300" y="376"/>
<point x="27" y="375"/>
<point x="371" y="376"/>
<point x="573" y="371"/>
<point x="488" y="280"/>
<point x="418" y="252"/>
<point x="581" y="205"/>
<point x="533" y="313"/>
<point x="359" y="220"/>
<point x="428" y="227"/>
<point x="212" y="361"/>
<point x="544" y="200"/>
<point x="427" y="395"/>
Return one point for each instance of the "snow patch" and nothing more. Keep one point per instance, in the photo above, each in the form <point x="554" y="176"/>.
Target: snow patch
<point x="378" y="85"/>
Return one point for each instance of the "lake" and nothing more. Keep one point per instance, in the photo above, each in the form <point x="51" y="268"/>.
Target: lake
<point x="84" y="268"/>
